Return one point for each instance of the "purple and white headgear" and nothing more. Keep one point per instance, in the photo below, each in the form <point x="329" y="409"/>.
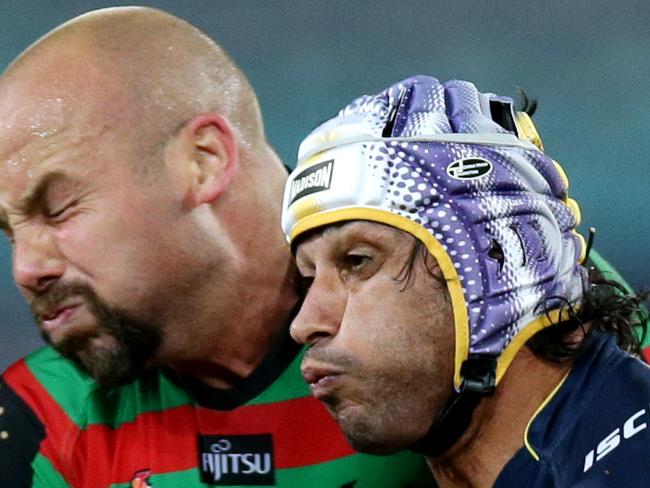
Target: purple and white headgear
<point x="464" y="173"/>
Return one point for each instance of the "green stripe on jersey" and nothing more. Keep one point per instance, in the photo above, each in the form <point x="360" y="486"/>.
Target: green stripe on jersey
<point x="126" y="403"/>
<point x="611" y="274"/>
<point x="46" y="475"/>
<point x="288" y="386"/>
<point x="64" y="381"/>
<point x="87" y="404"/>
<point x="378" y="471"/>
<point x="151" y="392"/>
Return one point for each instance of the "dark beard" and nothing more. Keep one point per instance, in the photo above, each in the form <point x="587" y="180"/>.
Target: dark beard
<point x="136" y="341"/>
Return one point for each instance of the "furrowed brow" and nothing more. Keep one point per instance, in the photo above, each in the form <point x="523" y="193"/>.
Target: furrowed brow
<point x="34" y="195"/>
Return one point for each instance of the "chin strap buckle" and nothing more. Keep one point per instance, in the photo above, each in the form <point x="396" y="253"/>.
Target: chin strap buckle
<point x="479" y="380"/>
<point x="479" y="375"/>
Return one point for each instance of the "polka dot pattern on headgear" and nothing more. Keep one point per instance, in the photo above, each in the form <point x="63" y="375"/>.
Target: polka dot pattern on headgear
<point x="495" y="207"/>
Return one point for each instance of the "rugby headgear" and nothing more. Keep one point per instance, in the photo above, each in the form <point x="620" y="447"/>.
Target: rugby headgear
<point x="464" y="173"/>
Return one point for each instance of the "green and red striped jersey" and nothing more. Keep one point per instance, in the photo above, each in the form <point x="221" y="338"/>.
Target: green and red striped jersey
<point x="150" y="433"/>
<point x="58" y="429"/>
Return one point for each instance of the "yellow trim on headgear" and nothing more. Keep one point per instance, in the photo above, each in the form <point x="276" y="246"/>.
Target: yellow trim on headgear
<point x="527" y="130"/>
<point x="563" y="175"/>
<point x="575" y="209"/>
<point x="511" y="350"/>
<point x="583" y="247"/>
<point x="459" y="307"/>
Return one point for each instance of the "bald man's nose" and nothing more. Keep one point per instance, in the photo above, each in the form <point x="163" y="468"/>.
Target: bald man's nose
<point x="37" y="263"/>
<point x="321" y="313"/>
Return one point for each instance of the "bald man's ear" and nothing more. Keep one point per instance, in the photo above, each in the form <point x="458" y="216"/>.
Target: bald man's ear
<point x="212" y="154"/>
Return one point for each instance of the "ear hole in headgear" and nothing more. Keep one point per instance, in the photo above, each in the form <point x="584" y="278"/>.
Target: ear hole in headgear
<point x="496" y="252"/>
<point x="502" y="114"/>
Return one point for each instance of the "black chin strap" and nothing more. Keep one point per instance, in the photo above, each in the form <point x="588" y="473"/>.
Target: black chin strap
<point x="479" y="380"/>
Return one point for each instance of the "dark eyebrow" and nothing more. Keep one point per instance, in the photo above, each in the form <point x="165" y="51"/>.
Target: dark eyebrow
<point x="33" y="196"/>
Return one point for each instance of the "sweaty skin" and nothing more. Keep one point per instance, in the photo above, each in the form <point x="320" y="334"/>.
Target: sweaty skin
<point x="143" y="200"/>
<point x="381" y="353"/>
<point x="362" y="314"/>
<point x="112" y="187"/>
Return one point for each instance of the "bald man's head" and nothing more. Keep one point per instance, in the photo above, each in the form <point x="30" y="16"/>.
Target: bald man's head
<point x="141" y="68"/>
<point x="128" y="88"/>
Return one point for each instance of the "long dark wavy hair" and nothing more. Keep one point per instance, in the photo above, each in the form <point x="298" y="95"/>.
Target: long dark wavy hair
<point x="606" y="306"/>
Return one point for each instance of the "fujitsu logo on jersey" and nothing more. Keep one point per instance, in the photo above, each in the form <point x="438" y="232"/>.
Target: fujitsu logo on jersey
<point x="220" y="462"/>
<point x="237" y="459"/>
<point x="313" y="179"/>
<point x="631" y="427"/>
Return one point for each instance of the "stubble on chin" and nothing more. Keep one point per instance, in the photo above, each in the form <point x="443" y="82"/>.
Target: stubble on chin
<point x="365" y="433"/>
<point x="116" y="350"/>
<point x="383" y="415"/>
<point x="103" y="358"/>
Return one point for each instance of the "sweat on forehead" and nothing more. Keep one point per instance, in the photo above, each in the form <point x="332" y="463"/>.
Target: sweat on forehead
<point x="92" y="79"/>
<point x="146" y="68"/>
<point x="77" y="96"/>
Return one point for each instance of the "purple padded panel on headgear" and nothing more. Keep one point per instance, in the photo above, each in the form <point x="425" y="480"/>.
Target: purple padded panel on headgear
<point x="464" y="110"/>
<point x="517" y="208"/>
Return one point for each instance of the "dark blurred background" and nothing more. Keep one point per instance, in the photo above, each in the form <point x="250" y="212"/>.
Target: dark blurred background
<point x="586" y="62"/>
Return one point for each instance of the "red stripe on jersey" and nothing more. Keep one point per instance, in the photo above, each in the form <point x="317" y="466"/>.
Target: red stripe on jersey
<point x="60" y="431"/>
<point x="646" y="354"/>
<point x="303" y="434"/>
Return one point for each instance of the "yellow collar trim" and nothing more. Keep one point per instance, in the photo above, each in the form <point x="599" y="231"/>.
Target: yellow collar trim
<point x="529" y="447"/>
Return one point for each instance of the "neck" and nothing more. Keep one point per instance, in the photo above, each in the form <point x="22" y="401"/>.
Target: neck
<point x="499" y="424"/>
<point x="251" y="304"/>
<point x="257" y="321"/>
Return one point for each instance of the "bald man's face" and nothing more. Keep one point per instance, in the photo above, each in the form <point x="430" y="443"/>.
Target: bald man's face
<point x="94" y="248"/>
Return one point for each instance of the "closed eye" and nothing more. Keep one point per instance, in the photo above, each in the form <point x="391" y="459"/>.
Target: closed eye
<point x="61" y="213"/>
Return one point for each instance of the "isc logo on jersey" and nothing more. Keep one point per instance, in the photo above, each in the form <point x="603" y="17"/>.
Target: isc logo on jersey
<point x="631" y="427"/>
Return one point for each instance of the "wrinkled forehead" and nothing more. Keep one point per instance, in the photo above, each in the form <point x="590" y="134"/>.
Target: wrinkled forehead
<point x="353" y="227"/>
<point x="34" y="129"/>
<point x="336" y="239"/>
<point x="38" y="119"/>
<point x="49" y="130"/>
<point x="55" y="90"/>
<point x="25" y="119"/>
<point x="29" y="122"/>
